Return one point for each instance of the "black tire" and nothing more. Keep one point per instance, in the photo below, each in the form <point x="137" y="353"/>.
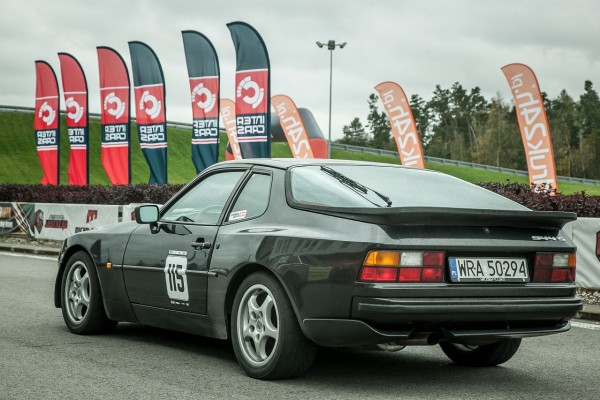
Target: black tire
<point x="289" y="355"/>
<point x="81" y="297"/>
<point x="481" y="356"/>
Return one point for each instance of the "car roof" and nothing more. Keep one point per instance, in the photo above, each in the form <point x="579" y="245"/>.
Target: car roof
<point x="286" y="163"/>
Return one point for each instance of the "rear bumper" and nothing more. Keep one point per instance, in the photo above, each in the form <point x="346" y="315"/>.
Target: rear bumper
<point x="349" y="333"/>
<point x="402" y="310"/>
<point x="429" y="320"/>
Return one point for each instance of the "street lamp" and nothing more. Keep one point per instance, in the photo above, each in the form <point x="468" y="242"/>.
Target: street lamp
<point x="331" y="45"/>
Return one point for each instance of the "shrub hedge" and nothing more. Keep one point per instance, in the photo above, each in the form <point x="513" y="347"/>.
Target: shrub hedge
<point x="124" y="194"/>
<point x="579" y="203"/>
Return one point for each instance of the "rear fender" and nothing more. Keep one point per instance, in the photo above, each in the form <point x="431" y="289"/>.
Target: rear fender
<point x="237" y="279"/>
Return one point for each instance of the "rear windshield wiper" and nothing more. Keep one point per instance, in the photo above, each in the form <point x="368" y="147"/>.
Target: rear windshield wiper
<point x="351" y="183"/>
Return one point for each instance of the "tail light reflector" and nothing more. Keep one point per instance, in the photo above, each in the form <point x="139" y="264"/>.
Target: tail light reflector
<point x="403" y="266"/>
<point x="435" y="259"/>
<point x="432" y="274"/>
<point x="375" y="274"/>
<point x="410" y="274"/>
<point x="554" y="267"/>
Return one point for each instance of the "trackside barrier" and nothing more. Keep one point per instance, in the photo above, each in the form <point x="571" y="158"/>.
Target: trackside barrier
<point x="584" y="233"/>
<point x="58" y="221"/>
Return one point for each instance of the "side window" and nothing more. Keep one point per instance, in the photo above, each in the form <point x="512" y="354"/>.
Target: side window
<point x="204" y="203"/>
<point x="254" y="198"/>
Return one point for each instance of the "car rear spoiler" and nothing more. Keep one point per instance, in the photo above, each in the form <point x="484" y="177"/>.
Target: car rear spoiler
<point x="437" y="216"/>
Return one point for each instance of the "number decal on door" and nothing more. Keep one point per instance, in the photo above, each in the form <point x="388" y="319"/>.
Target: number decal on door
<point x="175" y="278"/>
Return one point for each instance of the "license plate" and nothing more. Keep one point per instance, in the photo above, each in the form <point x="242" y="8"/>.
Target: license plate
<point x="488" y="270"/>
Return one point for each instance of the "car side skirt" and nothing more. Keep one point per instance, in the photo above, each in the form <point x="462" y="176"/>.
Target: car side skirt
<point x="181" y="321"/>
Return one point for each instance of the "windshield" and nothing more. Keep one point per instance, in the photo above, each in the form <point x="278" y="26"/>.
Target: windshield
<point x="377" y="186"/>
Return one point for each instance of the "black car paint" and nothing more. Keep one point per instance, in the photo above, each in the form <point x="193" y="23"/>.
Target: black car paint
<point x="317" y="257"/>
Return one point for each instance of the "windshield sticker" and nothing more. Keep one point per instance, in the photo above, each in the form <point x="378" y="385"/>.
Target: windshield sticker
<point x="237" y="215"/>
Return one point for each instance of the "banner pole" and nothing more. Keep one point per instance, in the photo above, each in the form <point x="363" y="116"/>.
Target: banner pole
<point x="330" y="96"/>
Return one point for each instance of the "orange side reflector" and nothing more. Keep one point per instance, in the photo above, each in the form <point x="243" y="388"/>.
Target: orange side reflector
<point x="572" y="260"/>
<point x="108" y="265"/>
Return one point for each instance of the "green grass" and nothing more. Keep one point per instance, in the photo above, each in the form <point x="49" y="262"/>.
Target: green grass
<point x="469" y="174"/>
<point x="19" y="162"/>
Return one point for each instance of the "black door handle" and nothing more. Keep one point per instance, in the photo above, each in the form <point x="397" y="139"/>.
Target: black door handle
<point x="201" y="245"/>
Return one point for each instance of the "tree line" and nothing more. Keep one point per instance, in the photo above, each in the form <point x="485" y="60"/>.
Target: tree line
<point x="462" y="124"/>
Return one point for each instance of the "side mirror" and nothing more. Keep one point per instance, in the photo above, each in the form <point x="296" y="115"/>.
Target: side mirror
<point x="147" y="214"/>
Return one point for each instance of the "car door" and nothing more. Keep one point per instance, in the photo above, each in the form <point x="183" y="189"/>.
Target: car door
<point x="166" y="264"/>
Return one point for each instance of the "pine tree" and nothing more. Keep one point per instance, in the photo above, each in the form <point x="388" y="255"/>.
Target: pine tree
<point x="378" y="125"/>
<point x="354" y="134"/>
<point x="588" y="120"/>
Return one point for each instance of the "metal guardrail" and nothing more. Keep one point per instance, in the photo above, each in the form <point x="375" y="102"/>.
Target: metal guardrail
<point x="393" y="153"/>
<point x="368" y="150"/>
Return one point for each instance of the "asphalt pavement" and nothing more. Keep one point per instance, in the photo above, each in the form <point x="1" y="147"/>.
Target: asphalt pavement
<point x="41" y="359"/>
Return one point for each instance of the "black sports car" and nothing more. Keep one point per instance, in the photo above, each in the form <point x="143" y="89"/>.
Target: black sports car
<point x="284" y="255"/>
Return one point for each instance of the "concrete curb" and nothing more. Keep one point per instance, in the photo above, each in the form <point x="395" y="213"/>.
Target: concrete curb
<point x="590" y="312"/>
<point x="25" y="248"/>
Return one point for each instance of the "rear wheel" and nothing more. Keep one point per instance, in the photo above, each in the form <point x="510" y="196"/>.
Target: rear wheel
<point x="81" y="298"/>
<point x="481" y="356"/>
<point x="267" y="340"/>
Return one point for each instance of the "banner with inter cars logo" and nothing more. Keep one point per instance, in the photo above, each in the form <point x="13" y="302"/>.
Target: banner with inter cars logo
<point x="535" y="131"/>
<point x="403" y="124"/>
<point x="115" y="94"/>
<point x="46" y="122"/>
<point x="203" y="71"/>
<point x="252" y="91"/>
<point x="75" y="92"/>
<point x="150" y="106"/>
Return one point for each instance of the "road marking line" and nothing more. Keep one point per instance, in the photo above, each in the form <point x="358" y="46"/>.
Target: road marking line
<point x="585" y="325"/>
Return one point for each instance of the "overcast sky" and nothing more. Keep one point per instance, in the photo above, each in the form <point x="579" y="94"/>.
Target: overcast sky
<point x="417" y="44"/>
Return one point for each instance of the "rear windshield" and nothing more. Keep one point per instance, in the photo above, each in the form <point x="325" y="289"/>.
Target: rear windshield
<point x="350" y="186"/>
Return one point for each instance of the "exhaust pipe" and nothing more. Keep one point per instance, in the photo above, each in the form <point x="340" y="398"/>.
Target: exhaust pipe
<point x="417" y="339"/>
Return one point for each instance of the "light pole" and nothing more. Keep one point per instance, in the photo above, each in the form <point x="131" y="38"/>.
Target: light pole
<point x="331" y="45"/>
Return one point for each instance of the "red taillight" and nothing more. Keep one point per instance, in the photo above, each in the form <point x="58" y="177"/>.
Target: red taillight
<point x="432" y="274"/>
<point x="410" y="274"/>
<point x="544" y="260"/>
<point x="554" y="267"/>
<point x="542" y="274"/>
<point x="374" y="274"/>
<point x="403" y="266"/>
<point x="559" y="275"/>
<point x="433" y="259"/>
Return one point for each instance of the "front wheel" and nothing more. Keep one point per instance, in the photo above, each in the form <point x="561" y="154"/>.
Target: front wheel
<point x="481" y="356"/>
<point x="267" y="340"/>
<point x="81" y="298"/>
